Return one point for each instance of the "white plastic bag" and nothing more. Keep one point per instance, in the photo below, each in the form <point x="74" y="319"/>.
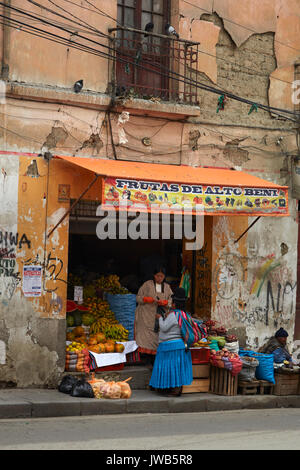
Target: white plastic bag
<point x="233" y="347"/>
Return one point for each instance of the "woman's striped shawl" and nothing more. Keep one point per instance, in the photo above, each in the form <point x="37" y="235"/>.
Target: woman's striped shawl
<point x="192" y="329"/>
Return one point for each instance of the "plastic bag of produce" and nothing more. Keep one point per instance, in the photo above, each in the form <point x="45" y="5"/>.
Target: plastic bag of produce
<point x="219" y="339"/>
<point x="82" y="389"/>
<point x="227" y="363"/>
<point x="67" y="384"/>
<point x="111" y="390"/>
<point x="232" y="346"/>
<point x="265" y="368"/>
<point x="247" y="374"/>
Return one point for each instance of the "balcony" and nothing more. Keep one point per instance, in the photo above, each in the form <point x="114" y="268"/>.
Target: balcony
<point x="153" y="67"/>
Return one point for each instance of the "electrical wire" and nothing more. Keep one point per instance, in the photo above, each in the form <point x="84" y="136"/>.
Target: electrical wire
<point x="187" y="81"/>
<point x="203" y="52"/>
<point x="229" y="94"/>
<point x="80" y="23"/>
<point x="238" y="24"/>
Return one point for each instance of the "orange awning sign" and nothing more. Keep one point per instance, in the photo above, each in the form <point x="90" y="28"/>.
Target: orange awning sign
<point x="175" y="187"/>
<point x="212" y="199"/>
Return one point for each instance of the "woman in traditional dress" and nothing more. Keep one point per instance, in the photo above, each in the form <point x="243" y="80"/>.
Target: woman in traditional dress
<point x="173" y="362"/>
<point x="151" y="295"/>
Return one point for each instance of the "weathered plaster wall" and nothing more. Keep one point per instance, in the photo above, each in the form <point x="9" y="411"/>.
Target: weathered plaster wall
<point x="254" y="281"/>
<point x="39" y="61"/>
<point x="279" y="18"/>
<point x="32" y="333"/>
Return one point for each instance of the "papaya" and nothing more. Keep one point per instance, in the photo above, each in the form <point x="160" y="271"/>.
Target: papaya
<point x="119" y="348"/>
<point x="92" y="341"/>
<point x="94" y="348"/>
<point x="100" y="338"/>
<point x="109" y="347"/>
<point x="78" y="331"/>
<point x="101" y="348"/>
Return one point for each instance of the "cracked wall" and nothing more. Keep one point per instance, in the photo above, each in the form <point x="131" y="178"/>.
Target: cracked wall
<point x="32" y="329"/>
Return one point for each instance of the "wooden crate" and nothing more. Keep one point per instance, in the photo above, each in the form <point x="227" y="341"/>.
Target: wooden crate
<point x="197" y="386"/>
<point x="201" y="371"/>
<point x="287" y="384"/>
<point x="222" y="382"/>
<point x="266" y="388"/>
<point x="248" y="388"/>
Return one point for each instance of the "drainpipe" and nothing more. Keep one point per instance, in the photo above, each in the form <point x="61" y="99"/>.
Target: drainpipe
<point x="5" y="43"/>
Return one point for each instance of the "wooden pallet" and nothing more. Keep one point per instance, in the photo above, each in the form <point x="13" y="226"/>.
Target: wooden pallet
<point x="265" y="387"/>
<point x="287" y="384"/>
<point x="248" y="388"/>
<point x="254" y="387"/>
<point x="222" y="382"/>
<point x="197" y="386"/>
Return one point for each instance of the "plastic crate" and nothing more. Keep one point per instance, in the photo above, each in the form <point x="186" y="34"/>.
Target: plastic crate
<point x="112" y="367"/>
<point x="200" y="355"/>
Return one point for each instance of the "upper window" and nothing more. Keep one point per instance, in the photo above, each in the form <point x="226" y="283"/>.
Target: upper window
<point x="137" y="13"/>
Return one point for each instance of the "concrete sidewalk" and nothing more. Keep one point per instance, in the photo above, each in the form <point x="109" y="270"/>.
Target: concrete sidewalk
<point x="44" y="403"/>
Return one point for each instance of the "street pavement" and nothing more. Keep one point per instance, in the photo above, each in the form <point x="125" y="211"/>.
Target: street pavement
<point x="166" y="433"/>
<point x="43" y="403"/>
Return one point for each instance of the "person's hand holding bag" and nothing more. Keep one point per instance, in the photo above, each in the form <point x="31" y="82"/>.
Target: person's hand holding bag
<point x="148" y="300"/>
<point x="163" y="303"/>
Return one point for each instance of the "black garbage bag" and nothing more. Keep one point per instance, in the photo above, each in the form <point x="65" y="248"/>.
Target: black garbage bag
<point x="67" y="383"/>
<point x="82" y="389"/>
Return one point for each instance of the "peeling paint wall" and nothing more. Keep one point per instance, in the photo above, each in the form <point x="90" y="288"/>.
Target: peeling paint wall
<point x="32" y="330"/>
<point x="255" y="281"/>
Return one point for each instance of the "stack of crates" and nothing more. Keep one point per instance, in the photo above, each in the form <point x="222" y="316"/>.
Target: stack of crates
<point x="201" y="371"/>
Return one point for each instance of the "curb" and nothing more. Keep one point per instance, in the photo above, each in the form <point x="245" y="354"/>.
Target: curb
<point x="51" y="403"/>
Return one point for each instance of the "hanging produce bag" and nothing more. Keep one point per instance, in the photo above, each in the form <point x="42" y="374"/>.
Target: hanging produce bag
<point x="123" y="306"/>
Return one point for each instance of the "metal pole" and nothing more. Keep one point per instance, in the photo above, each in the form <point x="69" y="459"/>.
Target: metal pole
<point x="254" y="222"/>
<point x="73" y="205"/>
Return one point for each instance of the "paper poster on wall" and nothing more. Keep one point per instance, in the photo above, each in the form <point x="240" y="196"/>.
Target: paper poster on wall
<point x="78" y="294"/>
<point x="32" y="281"/>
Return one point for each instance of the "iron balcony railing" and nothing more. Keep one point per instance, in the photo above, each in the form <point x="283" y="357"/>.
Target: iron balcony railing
<point x="153" y="66"/>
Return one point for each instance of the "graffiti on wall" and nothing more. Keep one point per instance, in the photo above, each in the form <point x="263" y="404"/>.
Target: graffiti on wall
<point x="10" y="277"/>
<point x="53" y="267"/>
<point x="203" y="273"/>
<point x="270" y="299"/>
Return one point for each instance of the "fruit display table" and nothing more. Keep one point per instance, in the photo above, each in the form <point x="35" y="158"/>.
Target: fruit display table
<point x="110" y="359"/>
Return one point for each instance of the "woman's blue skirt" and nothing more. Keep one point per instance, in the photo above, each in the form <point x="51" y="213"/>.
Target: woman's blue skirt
<point x="172" y="366"/>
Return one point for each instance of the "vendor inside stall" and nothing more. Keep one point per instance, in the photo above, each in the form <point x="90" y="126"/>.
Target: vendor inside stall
<point x="277" y="346"/>
<point x="153" y="293"/>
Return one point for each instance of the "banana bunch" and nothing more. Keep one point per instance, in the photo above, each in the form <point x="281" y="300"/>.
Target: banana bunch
<point x="117" y="332"/>
<point x="108" y="282"/>
<point x="99" y="326"/>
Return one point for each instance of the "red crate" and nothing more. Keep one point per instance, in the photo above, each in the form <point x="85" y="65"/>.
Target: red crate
<point x="113" y="367"/>
<point x="200" y="355"/>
